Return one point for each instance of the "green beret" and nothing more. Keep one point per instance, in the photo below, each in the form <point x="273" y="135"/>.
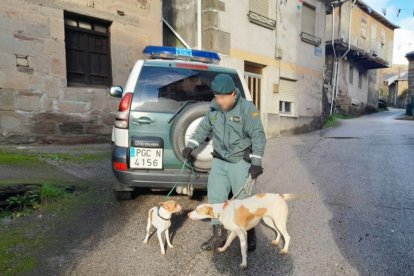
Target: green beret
<point x="223" y="84"/>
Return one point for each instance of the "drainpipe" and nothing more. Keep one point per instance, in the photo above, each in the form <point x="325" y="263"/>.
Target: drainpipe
<point x="335" y="57"/>
<point x="338" y="60"/>
<point x="199" y="45"/>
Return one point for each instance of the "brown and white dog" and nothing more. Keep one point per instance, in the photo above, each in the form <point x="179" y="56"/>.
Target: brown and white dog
<point x="238" y="216"/>
<point x="160" y="218"/>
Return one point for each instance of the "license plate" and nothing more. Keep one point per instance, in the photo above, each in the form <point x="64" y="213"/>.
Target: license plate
<point x="145" y="158"/>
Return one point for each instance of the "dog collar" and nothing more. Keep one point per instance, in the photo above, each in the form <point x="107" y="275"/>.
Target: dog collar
<point x="161" y="217"/>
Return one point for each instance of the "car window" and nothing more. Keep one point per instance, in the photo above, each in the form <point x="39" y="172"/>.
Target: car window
<point x="166" y="89"/>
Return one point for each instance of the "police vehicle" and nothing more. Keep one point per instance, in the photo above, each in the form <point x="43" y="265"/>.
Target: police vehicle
<point x="163" y="101"/>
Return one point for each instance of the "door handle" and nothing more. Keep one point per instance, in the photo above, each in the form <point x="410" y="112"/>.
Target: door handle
<point x="143" y="120"/>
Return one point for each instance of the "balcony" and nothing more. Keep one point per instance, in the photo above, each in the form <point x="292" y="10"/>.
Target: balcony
<point x="308" y="38"/>
<point x="369" y="59"/>
<point x="261" y="20"/>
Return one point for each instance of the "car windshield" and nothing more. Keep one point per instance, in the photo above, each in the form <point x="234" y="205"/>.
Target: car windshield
<point x="166" y="89"/>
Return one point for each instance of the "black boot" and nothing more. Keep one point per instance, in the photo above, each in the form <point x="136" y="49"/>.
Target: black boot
<point x="251" y="240"/>
<point x="218" y="239"/>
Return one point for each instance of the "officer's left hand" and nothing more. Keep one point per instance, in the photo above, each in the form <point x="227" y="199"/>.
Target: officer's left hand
<point x="255" y="171"/>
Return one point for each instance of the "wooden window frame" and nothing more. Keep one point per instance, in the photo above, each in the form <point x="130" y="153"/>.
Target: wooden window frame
<point x="91" y="33"/>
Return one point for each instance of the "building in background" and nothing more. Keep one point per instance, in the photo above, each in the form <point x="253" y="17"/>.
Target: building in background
<point x="397" y="90"/>
<point x="278" y="45"/>
<point x="57" y="60"/>
<point x="410" y="101"/>
<point x="358" y="42"/>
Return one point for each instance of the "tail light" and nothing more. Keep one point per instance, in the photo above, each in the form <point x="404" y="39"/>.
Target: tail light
<point x="121" y="117"/>
<point x="120" y="166"/>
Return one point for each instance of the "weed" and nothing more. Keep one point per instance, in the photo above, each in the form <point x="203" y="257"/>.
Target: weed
<point x="51" y="193"/>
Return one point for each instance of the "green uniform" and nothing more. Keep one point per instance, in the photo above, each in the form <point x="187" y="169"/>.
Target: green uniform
<point x="234" y="131"/>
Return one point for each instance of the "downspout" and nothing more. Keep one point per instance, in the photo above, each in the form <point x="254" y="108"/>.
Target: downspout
<point x="199" y="45"/>
<point x="335" y="90"/>
<point x="335" y="57"/>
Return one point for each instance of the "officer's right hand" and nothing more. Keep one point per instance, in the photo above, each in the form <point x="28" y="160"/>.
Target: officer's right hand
<point x="187" y="153"/>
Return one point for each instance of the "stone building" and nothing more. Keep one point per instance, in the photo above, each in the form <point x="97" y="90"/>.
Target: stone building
<point x="410" y="57"/>
<point x="397" y="87"/>
<point x="278" y="45"/>
<point x="57" y="60"/>
<point x="358" y="42"/>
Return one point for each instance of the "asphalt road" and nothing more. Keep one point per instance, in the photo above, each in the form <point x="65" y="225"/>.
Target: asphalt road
<point x="358" y="218"/>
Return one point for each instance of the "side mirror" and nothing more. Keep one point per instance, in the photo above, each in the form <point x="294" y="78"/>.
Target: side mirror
<point x="116" y="91"/>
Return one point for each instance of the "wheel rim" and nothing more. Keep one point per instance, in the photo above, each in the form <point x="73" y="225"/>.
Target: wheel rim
<point x="203" y="152"/>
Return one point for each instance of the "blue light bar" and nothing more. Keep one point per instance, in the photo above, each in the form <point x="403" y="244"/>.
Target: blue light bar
<point x="165" y="52"/>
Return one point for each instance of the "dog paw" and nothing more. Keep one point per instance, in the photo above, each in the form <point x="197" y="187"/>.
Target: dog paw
<point x="162" y="252"/>
<point x="243" y="265"/>
<point x="145" y="241"/>
<point x="275" y="242"/>
<point x="283" y="252"/>
<point x="221" y="249"/>
<point x="170" y="246"/>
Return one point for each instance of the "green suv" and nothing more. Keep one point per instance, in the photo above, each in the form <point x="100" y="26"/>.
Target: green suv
<point x="165" y="98"/>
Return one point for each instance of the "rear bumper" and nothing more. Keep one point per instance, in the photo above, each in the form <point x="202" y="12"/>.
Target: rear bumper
<point x="154" y="178"/>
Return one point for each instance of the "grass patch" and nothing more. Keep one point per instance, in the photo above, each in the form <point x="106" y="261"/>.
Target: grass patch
<point x="16" y="248"/>
<point x="30" y="159"/>
<point x="17" y="159"/>
<point x="333" y="120"/>
<point x="83" y="157"/>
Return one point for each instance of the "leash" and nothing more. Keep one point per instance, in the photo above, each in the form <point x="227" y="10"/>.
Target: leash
<point x="247" y="188"/>
<point x="176" y="182"/>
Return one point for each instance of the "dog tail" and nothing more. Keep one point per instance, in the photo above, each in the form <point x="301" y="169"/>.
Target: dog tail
<point x="289" y="197"/>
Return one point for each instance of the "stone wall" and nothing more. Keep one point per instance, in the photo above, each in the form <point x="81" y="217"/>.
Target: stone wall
<point x="36" y="104"/>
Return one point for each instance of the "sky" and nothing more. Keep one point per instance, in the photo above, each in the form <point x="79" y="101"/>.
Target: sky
<point x="403" y="37"/>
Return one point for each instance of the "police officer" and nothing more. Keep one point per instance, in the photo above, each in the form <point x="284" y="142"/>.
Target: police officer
<point x="238" y="141"/>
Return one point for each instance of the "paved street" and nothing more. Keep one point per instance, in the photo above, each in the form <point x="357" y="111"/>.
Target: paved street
<point x="358" y="218"/>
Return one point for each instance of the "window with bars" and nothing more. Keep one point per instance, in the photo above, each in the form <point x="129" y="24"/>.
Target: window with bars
<point x="88" y="56"/>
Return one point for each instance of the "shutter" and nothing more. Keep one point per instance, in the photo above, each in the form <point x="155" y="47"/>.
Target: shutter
<point x="287" y="90"/>
<point x="374" y="32"/>
<point x="308" y="19"/>
<point x="259" y="6"/>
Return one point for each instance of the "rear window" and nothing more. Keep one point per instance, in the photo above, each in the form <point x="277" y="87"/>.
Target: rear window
<point x="166" y="89"/>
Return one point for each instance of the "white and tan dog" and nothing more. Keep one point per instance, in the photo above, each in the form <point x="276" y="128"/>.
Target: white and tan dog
<point x="160" y="218"/>
<point x="238" y="216"/>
